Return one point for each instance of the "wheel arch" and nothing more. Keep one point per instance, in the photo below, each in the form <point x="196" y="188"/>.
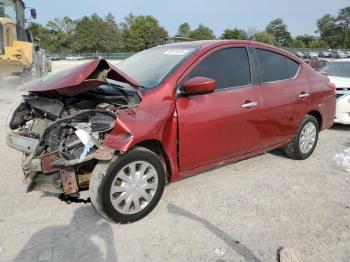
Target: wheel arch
<point x="318" y="116"/>
<point x="157" y="147"/>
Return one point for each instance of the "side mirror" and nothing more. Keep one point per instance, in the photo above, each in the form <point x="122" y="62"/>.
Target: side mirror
<point x="199" y="85"/>
<point x="33" y="13"/>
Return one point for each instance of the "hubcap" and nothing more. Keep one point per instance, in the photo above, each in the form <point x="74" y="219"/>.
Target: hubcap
<point x="307" y="138"/>
<point x="134" y="187"/>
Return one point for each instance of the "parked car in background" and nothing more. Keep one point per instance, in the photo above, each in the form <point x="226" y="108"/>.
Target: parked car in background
<point x="74" y="58"/>
<point x="317" y="64"/>
<point x="310" y="55"/>
<point x="339" y="74"/>
<point x="339" y="54"/>
<point x="299" y="54"/>
<point x="55" y="58"/>
<point x="164" y="114"/>
<point x="324" y="54"/>
<point x="347" y="54"/>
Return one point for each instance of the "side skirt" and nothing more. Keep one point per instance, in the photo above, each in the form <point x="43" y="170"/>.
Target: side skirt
<point x="224" y="162"/>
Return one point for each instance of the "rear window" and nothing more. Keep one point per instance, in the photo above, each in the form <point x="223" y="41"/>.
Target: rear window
<point x="276" y="67"/>
<point x="229" y="67"/>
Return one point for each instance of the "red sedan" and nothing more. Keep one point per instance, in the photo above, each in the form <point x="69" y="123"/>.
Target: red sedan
<point x="162" y="115"/>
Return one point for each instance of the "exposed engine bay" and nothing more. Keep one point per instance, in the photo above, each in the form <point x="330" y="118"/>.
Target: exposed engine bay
<point x="60" y="136"/>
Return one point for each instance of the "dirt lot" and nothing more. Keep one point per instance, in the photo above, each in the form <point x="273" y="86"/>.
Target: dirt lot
<point x="241" y="212"/>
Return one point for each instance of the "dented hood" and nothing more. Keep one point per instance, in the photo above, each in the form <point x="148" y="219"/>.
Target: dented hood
<point x="79" y="79"/>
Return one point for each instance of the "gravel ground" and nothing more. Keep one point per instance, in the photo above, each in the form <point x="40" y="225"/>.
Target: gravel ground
<point x="240" y="212"/>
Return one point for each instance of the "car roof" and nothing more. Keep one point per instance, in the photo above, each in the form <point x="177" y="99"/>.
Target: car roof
<point x="209" y="44"/>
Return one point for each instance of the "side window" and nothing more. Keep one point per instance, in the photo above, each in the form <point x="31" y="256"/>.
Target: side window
<point x="276" y="67"/>
<point x="292" y="67"/>
<point x="229" y="67"/>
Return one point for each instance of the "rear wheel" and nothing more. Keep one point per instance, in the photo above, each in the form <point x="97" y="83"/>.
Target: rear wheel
<point x="129" y="187"/>
<point x="304" y="143"/>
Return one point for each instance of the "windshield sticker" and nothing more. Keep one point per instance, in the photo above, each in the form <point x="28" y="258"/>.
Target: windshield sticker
<point x="176" y="52"/>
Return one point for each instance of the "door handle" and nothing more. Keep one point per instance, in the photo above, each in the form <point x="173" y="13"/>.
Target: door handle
<point x="304" y="95"/>
<point x="250" y="104"/>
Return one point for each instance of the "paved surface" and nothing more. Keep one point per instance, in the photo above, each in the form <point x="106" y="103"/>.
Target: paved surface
<point x="241" y="212"/>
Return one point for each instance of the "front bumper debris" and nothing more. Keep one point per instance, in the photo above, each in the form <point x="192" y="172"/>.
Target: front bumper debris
<point x="21" y="143"/>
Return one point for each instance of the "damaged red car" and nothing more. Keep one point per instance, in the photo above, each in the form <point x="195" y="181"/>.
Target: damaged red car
<point x="122" y="132"/>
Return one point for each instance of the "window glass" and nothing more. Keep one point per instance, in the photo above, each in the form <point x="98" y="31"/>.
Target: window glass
<point x="292" y="67"/>
<point x="229" y="67"/>
<point x="8" y="9"/>
<point x="152" y="66"/>
<point x="20" y="13"/>
<point x="276" y="67"/>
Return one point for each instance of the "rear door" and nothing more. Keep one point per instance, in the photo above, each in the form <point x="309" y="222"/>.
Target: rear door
<point x="285" y="94"/>
<point x="223" y="124"/>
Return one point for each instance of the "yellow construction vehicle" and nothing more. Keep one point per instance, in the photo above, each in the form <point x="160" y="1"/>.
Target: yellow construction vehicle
<point x="18" y="54"/>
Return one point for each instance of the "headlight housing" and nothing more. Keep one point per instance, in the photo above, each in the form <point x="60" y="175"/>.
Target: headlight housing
<point x="11" y="115"/>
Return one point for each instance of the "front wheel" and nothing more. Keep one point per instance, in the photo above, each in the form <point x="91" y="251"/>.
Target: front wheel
<point x="128" y="187"/>
<point x="304" y="143"/>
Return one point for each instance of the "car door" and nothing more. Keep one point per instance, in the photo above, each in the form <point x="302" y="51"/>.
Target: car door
<point x="224" y="124"/>
<point x="280" y="89"/>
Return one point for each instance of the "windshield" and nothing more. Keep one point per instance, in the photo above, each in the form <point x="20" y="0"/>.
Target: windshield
<point x="340" y="69"/>
<point x="8" y="9"/>
<point x="150" y="67"/>
<point x="13" y="10"/>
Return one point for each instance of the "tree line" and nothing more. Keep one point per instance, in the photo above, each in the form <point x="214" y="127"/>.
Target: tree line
<point x="104" y="34"/>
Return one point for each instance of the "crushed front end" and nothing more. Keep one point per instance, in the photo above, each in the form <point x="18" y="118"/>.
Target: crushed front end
<point x="61" y="135"/>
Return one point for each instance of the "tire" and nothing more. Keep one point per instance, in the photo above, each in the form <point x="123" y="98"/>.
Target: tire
<point x="106" y="174"/>
<point x="294" y="149"/>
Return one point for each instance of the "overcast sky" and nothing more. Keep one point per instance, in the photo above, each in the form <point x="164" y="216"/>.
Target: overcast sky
<point x="299" y="15"/>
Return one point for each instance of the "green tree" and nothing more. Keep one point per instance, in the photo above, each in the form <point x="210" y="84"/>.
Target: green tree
<point x="56" y="36"/>
<point x="328" y="30"/>
<point x="306" y="39"/>
<point x="297" y="43"/>
<point x="91" y="35"/>
<point x="264" y="37"/>
<point x="278" y="29"/>
<point x="184" y="30"/>
<point x="65" y="24"/>
<point x="113" y="37"/>
<point x="202" y="32"/>
<point x="335" y="31"/>
<point x="234" y="34"/>
<point x="41" y="36"/>
<point x="344" y="17"/>
<point x="343" y="20"/>
<point x="141" y="32"/>
<point x="309" y="41"/>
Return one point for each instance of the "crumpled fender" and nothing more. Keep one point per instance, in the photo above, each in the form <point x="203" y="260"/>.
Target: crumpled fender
<point x="156" y="122"/>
